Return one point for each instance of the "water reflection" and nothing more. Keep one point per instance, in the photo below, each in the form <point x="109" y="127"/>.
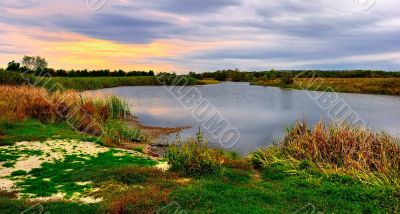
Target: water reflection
<point x="259" y="113"/>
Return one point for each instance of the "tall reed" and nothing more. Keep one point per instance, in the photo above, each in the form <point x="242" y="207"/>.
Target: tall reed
<point x="84" y="113"/>
<point x="336" y="148"/>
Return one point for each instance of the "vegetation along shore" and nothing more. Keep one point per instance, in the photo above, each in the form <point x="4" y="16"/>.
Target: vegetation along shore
<point x="358" y="81"/>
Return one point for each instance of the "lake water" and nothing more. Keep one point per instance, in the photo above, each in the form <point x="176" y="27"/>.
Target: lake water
<point x="260" y="114"/>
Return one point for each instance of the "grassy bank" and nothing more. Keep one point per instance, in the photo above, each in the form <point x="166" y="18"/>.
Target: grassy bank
<point x="314" y="169"/>
<point x="387" y="86"/>
<point x="100" y="117"/>
<point x="91" y="83"/>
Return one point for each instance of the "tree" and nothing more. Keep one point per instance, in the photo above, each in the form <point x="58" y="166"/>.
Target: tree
<point x="272" y="74"/>
<point x="13" y="66"/>
<point x="61" y="73"/>
<point x="34" y="63"/>
<point x="286" y="78"/>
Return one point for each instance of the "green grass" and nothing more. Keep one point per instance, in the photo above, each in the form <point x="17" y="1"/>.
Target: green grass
<point x="92" y="83"/>
<point x="130" y="184"/>
<point x="32" y="130"/>
<point x="8" y="157"/>
<point x="229" y="191"/>
<point x="88" y="83"/>
<point x="12" y="206"/>
<point x="9" y="164"/>
<point x="62" y="176"/>
<point x="284" y="194"/>
<point x="19" y="173"/>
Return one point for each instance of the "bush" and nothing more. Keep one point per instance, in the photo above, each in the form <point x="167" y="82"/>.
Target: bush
<point x="12" y="78"/>
<point x="194" y="157"/>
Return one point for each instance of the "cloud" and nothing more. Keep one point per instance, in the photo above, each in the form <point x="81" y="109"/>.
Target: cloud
<point x="210" y="34"/>
<point x="194" y="6"/>
<point x="119" y="28"/>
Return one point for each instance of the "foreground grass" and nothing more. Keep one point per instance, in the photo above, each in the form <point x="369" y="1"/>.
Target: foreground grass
<point x="280" y="192"/>
<point x="236" y="192"/>
<point x="130" y="184"/>
<point x="388" y="86"/>
<point x="32" y="130"/>
<point x="51" y="178"/>
<point x="11" y="205"/>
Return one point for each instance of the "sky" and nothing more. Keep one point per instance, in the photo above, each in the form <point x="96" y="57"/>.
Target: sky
<point x="203" y="35"/>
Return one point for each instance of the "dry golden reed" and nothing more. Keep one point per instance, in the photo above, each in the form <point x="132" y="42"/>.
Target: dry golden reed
<point x="372" y="157"/>
<point x="344" y="147"/>
<point x="18" y="103"/>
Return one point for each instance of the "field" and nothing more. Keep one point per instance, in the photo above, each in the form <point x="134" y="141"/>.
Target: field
<point x="91" y="83"/>
<point x="387" y="86"/>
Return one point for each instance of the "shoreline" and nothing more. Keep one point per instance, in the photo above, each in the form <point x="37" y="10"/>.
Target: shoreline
<point x="152" y="146"/>
<point x="374" y="86"/>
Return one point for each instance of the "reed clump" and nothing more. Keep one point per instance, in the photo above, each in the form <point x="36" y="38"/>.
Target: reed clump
<point x="91" y="115"/>
<point x="355" y="151"/>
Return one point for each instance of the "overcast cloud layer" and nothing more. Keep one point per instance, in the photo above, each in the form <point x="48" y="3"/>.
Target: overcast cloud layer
<point x="202" y="35"/>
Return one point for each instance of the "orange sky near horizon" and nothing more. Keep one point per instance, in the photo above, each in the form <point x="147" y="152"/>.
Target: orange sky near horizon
<point x="74" y="51"/>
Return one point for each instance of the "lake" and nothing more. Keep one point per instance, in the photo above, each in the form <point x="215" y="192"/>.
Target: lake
<point x="260" y="114"/>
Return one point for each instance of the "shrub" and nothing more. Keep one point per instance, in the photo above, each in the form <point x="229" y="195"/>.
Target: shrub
<point x="12" y="78"/>
<point x="194" y="157"/>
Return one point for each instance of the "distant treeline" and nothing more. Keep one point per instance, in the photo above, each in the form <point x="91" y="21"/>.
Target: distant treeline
<point x="97" y="73"/>
<point x="84" y="73"/>
<point x="240" y="76"/>
<point x="92" y="83"/>
<point x="38" y="66"/>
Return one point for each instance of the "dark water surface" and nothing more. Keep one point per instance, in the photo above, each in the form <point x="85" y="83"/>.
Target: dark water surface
<point x="259" y="113"/>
